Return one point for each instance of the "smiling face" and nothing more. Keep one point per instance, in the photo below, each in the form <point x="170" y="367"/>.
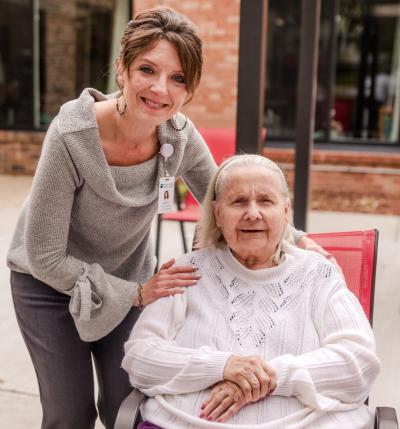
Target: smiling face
<point x="252" y="212"/>
<point x="155" y="87"/>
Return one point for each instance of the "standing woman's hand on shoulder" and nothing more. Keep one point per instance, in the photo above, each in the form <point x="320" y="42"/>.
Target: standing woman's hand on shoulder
<point x="308" y="244"/>
<point x="168" y="281"/>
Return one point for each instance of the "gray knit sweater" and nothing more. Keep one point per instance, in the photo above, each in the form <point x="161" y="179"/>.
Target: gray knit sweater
<point x="85" y="228"/>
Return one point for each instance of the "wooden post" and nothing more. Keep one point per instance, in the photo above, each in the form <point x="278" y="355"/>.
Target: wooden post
<point x="251" y="82"/>
<point x="305" y="116"/>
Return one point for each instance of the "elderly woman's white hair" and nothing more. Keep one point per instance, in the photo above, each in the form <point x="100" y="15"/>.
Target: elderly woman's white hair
<point x="208" y="232"/>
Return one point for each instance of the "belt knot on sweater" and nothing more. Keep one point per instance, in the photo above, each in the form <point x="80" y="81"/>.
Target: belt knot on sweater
<point x="84" y="300"/>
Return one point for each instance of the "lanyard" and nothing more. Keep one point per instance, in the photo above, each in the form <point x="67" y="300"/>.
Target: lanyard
<point x="166" y="186"/>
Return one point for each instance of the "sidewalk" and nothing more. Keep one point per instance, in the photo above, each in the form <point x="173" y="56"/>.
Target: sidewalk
<point x="19" y="398"/>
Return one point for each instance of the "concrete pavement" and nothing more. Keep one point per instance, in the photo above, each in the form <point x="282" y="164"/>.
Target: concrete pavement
<point x="19" y="397"/>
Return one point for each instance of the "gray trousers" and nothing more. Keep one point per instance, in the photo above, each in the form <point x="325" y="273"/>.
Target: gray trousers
<point x="63" y="362"/>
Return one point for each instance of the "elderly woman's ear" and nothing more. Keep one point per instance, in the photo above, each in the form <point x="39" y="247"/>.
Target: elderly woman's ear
<point x="287" y="212"/>
<point x="216" y="213"/>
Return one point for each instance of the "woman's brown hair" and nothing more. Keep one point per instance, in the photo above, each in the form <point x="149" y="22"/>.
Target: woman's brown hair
<point x="163" y="23"/>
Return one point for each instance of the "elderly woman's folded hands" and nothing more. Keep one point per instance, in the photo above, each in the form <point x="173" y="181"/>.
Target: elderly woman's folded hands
<point x="246" y="380"/>
<point x="224" y="401"/>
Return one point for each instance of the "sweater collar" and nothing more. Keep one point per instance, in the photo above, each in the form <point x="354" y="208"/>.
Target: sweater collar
<point x="78" y="126"/>
<point x="294" y="258"/>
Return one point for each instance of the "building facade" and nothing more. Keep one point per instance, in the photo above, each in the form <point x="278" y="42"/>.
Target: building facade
<point x="51" y="49"/>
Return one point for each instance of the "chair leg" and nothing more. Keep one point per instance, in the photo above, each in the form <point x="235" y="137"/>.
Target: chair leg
<point x="158" y="241"/>
<point x="183" y="237"/>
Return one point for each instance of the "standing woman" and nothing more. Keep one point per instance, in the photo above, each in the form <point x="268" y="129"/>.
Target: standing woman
<point x="82" y="243"/>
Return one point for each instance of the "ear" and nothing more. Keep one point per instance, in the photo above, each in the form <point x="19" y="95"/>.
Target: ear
<point x="287" y="212"/>
<point x="216" y="213"/>
<point x="187" y="99"/>
<point x="120" y="75"/>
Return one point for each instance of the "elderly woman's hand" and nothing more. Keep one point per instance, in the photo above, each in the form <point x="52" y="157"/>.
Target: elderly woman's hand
<point x="223" y="402"/>
<point x="308" y="244"/>
<point x="168" y="281"/>
<point x="254" y="376"/>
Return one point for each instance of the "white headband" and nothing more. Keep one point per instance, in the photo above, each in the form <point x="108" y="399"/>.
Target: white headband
<point x="237" y="158"/>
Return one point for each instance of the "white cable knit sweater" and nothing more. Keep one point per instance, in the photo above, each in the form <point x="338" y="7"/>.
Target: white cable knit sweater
<point x="299" y="317"/>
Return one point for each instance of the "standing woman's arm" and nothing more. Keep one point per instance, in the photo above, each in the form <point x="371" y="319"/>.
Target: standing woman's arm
<point x="198" y="165"/>
<point x="99" y="301"/>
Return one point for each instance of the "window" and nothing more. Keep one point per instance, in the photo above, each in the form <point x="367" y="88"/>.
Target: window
<point x="48" y="61"/>
<point x="358" y="88"/>
<point x="16" y="64"/>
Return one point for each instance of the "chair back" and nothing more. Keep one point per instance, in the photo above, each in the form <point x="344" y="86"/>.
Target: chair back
<point x="222" y="145"/>
<point x="222" y="142"/>
<point x="356" y="253"/>
<point x="190" y="202"/>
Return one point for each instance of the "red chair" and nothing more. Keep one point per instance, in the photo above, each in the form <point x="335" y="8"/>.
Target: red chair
<point x="221" y="142"/>
<point x="356" y="253"/>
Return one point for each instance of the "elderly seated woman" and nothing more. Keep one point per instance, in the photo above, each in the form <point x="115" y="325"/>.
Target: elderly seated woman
<point x="270" y="337"/>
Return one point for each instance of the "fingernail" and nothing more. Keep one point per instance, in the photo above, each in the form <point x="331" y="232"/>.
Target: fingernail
<point x="271" y="392"/>
<point x="219" y="421"/>
<point x="194" y="267"/>
<point x="198" y="276"/>
<point x="250" y="402"/>
<point x="202" y="407"/>
<point x="209" y="419"/>
<point x="183" y="289"/>
<point x="194" y="281"/>
<point x="201" y="415"/>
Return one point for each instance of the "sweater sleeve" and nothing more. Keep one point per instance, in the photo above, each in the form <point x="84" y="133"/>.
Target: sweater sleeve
<point x="157" y="364"/>
<point x="340" y="374"/>
<point x="99" y="301"/>
<point x="198" y="166"/>
<point x="297" y="234"/>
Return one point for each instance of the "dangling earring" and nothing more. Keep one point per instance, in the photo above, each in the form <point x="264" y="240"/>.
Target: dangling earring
<point x="175" y="127"/>
<point x="121" y="113"/>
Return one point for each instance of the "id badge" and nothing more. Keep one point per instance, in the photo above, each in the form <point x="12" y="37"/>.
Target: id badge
<point x="166" y="195"/>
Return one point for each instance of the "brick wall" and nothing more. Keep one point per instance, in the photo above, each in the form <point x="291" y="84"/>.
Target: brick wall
<point x="60" y="69"/>
<point x="20" y="151"/>
<point x="214" y="104"/>
<point x="364" y="173"/>
<point x="358" y="172"/>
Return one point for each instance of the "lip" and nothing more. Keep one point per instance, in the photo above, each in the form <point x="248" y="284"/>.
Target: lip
<point x="152" y="107"/>
<point x="252" y="231"/>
